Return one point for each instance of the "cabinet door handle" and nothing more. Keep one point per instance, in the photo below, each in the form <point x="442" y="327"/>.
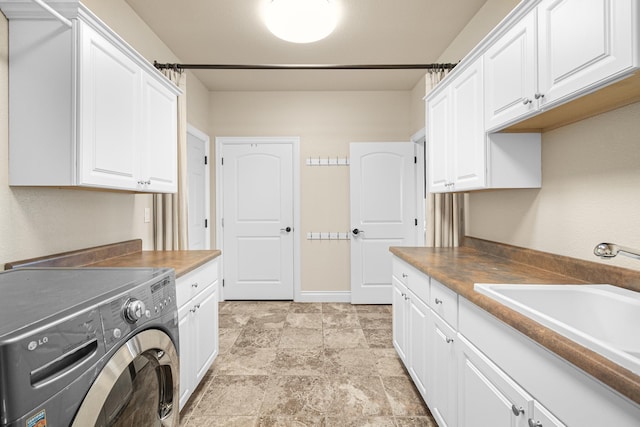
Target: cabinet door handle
<point x="404" y="276"/>
<point x="517" y="411"/>
<point x="438" y="301"/>
<point x="527" y="101"/>
<point x="194" y="285"/>
<point x="533" y="423"/>
<point x="539" y="95"/>
<point x="449" y="340"/>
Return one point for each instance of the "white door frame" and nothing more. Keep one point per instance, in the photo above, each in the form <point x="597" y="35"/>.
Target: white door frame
<point x="419" y="139"/>
<point x="295" y="144"/>
<point x="191" y="130"/>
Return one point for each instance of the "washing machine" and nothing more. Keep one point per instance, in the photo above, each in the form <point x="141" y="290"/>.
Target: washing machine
<point x="88" y="347"/>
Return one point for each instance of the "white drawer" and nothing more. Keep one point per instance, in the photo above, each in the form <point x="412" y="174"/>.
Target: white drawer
<point x="413" y="278"/>
<point x="419" y="284"/>
<point x="444" y="302"/>
<point x="195" y="281"/>
<point x="400" y="270"/>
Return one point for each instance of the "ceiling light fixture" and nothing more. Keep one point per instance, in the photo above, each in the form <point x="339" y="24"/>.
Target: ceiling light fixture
<point x="301" y="21"/>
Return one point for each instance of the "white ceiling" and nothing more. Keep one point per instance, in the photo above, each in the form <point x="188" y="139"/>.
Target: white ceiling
<point x="369" y="32"/>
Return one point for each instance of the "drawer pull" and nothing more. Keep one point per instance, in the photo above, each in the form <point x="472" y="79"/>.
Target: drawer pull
<point x="404" y="275"/>
<point x="534" y="423"/>
<point x="194" y="285"/>
<point x="195" y="308"/>
<point x="449" y="340"/>
<point x="518" y="411"/>
<point x="438" y="301"/>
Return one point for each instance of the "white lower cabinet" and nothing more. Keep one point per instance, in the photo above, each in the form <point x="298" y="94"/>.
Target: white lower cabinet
<point x="198" y="298"/>
<point x="411" y="322"/>
<point x="488" y="397"/>
<point x="474" y="370"/>
<point x="443" y="368"/>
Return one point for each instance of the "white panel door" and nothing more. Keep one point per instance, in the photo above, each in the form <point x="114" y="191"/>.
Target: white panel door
<point x="383" y="210"/>
<point x="160" y="164"/>
<point x="603" y="32"/>
<point x="439" y="142"/>
<point x="109" y="108"/>
<point x="467" y="133"/>
<point x="258" y="221"/>
<point x="197" y="189"/>
<point x="510" y="74"/>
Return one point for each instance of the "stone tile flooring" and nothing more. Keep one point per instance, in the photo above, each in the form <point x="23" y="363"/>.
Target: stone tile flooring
<point x="305" y="364"/>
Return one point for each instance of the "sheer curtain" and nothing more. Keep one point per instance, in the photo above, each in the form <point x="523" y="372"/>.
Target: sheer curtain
<point x="445" y="215"/>
<point x="170" y="210"/>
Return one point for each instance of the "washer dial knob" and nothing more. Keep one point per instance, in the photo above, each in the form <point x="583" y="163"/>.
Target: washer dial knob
<point x="133" y="310"/>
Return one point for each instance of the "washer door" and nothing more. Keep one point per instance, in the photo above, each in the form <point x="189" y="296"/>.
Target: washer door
<point x="137" y="386"/>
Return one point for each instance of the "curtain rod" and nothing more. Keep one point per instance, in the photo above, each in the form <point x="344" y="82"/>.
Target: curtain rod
<point x="303" y="66"/>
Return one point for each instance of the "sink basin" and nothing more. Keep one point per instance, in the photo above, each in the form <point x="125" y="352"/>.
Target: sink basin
<point x="603" y="318"/>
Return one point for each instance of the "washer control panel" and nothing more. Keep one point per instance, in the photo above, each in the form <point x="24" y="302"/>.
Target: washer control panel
<point x="131" y="310"/>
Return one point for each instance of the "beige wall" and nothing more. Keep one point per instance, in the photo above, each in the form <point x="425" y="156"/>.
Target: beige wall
<point x="484" y="21"/>
<point x="590" y="192"/>
<point x="35" y="222"/>
<point x="326" y="123"/>
<point x="590" y="178"/>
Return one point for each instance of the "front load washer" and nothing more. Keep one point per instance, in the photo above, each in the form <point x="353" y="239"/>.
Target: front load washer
<point x="88" y="347"/>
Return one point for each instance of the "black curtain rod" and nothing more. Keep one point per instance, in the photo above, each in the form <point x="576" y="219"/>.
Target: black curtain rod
<point x="303" y="67"/>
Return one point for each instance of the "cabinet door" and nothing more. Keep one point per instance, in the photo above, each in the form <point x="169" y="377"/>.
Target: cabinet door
<point x="438" y="126"/>
<point x="186" y="353"/>
<point x="399" y="318"/>
<point x="467" y="133"/>
<point x="160" y="161"/>
<point x="582" y="43"/>
<point x="205" y="331"/>
<point x="418" y="343"/>
<point x="510" y="74"/>
<point x="109" y="131"/>
<point x="443" y="372"/>
<point x="487" y="397"/>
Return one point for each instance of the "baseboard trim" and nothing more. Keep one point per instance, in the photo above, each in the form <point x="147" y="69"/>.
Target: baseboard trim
<point x="324" y="296"/>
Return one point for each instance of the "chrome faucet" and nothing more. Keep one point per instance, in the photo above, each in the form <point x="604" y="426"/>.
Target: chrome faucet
<point x="609" y="250"/>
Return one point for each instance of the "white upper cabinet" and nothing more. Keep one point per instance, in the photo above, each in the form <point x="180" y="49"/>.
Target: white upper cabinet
<point x="456" y="134"/>
<point x="109" y="114"/>
<point x="468" y="137"/>
<point x="557" y="60"/>
<point x="583" y="43"/>
<point x="462" y="156"/>
<point x="510" y="74"/>
<point x="558" y="51"/>
<point x="86" y="110"/>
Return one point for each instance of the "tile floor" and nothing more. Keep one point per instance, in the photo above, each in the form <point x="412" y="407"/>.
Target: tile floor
<point x="305" y="364"/>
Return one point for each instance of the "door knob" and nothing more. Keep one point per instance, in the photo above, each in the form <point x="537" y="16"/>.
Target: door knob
<point x="288" y="229"/>
<point x="355" y="231"/>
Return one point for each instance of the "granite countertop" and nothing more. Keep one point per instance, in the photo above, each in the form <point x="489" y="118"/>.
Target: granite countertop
<point x="122" y="254"/>
<point x="482" y="262"/>
<point x="181" y="261"/>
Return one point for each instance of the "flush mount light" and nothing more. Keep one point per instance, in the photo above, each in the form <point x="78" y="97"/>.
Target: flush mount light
<point x="301" y="21"/>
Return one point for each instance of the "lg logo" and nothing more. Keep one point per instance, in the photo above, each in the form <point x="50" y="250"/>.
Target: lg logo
<point x="34" y="344"/>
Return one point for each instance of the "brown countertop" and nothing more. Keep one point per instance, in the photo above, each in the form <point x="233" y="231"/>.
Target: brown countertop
<point x="181" y="261"/>
<point x="480" y="261"/>
<point x="122" y="254"/>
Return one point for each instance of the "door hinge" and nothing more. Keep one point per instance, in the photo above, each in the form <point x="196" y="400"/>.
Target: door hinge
<point x="415" y="159"/>
<point x="206" y="223"/>
<point x="206" y="160"/>
<point x="416" y="222"/>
